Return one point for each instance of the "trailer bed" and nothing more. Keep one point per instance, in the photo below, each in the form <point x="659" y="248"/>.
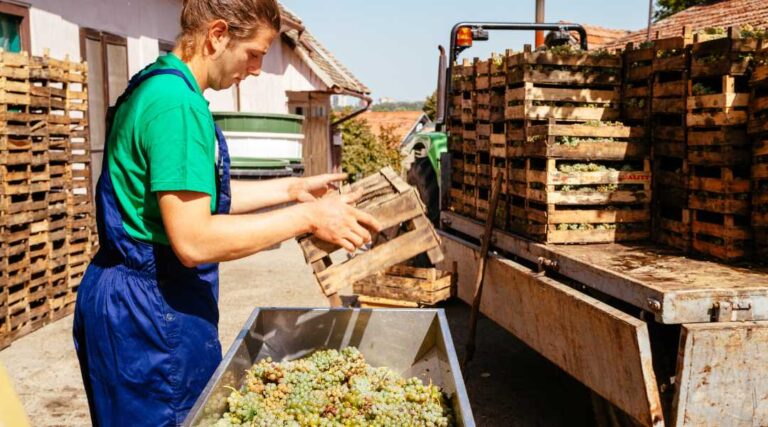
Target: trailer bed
<point x="675" y="288"/>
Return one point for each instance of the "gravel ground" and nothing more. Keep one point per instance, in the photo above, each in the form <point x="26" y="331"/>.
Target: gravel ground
<point x="508" y="383"/>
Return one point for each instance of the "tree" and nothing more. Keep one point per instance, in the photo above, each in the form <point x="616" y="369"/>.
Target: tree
<point x="430" y="106"/>
<point x="665" y="8"/>
<point x="363" y="153"/>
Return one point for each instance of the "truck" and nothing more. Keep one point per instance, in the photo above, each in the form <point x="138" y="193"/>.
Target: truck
<point x="661" y="338"/>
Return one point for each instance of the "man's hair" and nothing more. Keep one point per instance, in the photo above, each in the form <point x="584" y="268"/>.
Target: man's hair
<point x="243" y="17"/>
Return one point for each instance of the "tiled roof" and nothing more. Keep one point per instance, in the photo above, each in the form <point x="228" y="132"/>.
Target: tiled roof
<point x="724" y="13"/>
<point x="402" y="121"/>
<point x="318" y="58"/>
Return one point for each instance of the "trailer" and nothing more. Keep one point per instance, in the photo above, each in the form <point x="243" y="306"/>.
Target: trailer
<point x="665" y="338"/>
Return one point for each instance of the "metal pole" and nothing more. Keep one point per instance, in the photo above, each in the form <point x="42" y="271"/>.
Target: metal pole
<point x="539" y="20"/>
<point x="650" y="19"/>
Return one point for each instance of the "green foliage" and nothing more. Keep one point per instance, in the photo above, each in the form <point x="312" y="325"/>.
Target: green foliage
<point x="363" y="153"/>
<point x="430" y="106"/>
<point x="665" y="8"/>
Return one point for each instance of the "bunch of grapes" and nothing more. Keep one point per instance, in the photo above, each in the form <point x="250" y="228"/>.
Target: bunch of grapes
<point x="333" y="388"/>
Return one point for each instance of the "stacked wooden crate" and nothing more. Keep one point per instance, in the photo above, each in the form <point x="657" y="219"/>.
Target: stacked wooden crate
<point x="636" y="83"/>
<point x="461" y="144"/>
<point x="719" y="151"/>
<point x="37" y="187"/>
<point x="578" y="176"/>
<point x="758" y="130"/>
<point x="19" y="207"/>
<point x="482" y="137"/>
<point x="669" y="154"/>
<point x="404" y="286"/>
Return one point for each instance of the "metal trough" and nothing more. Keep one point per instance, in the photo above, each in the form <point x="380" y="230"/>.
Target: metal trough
<point x="413" y="342"/>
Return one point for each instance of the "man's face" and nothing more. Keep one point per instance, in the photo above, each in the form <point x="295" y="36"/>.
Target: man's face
<point x="240" y="59"/>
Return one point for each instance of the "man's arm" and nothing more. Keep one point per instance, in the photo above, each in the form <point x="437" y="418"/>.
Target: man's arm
<point x="250" y="196"/>
<point x="197" y="237"/>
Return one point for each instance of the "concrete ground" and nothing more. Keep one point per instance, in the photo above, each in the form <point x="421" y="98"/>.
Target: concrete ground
<point x="508" y="383"/>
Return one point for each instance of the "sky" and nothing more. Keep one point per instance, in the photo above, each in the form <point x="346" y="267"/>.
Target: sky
<point x="391" y="45"/>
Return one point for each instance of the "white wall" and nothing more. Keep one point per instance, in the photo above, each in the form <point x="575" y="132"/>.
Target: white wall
<point x="55" y="25"/>
<point x="283" y="70"/>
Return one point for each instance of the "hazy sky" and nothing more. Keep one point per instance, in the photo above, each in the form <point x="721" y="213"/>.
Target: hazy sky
<point x="391" y="45"/>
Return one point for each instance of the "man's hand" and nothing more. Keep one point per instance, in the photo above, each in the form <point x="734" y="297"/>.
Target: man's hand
<point x="335" y="220"/>
<point x="314" y="187"/>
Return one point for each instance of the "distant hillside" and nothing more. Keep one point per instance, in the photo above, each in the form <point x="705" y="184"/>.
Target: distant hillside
<point x="392" y="106"/>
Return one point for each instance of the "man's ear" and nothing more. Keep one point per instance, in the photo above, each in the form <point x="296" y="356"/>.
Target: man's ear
<point x="218" y="37"/>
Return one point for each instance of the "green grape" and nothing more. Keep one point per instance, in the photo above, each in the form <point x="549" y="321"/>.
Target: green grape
<point x="333" y="388"/>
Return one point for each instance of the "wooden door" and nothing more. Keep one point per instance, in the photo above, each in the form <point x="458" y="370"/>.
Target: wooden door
<point x="316" y="150"/>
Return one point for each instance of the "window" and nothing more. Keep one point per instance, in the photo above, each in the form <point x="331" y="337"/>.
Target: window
<point x="14" y="27"/>
<point x="107" y="57"/>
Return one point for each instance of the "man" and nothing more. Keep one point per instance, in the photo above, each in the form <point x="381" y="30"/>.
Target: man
<point x="146" y="315"/>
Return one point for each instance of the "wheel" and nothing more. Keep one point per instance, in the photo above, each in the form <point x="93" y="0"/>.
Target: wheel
<point x="422" y="176"/>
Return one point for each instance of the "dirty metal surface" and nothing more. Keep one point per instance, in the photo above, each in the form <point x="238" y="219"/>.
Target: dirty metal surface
<point x="722" y="378"/>
<point x="674" y="288"/>
<point x="606" y="349"/>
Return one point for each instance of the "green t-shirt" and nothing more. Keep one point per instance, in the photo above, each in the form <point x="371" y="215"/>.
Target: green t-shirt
<point x="162" y="139"/>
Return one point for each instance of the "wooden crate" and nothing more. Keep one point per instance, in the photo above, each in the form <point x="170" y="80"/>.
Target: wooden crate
<point x="547" y="182"/>
<point x="728" y="55"/>
<point x="672" y="53"/>
<point x="636" y="82"/>
<point x="723" y="236"/>
<point x="498" y="70"/>
<point x="575" y="68"/>
<point x="672" y="226"/>
<point x="727" y="107"/>
<point x="482" y="74"/>
<point x="594" y="140"/>
<point x="758" y="111"/>
<point x="548" y="204"/>
<point x="422" y="286"/>
<point x="760" y="183"/>
<point x="397" y="206"/>
<point x="720" y="189"/>
<point x="533" y="102"/>
<point x="724" y="146"/>
<point x="761" y="244"/>
<point x="574" y="86"/>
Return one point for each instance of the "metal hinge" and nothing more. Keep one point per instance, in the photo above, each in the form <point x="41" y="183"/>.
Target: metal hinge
<point x="727" y="311"/>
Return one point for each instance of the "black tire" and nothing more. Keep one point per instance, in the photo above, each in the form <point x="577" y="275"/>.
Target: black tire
<point x="422" y="176"/>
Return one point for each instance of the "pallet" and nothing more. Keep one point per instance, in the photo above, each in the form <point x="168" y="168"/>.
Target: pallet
<point x="672" y="53"/>
<point x="761" y="244"/>
<point x="547" y="184"/>
<point x="672" y="226"/>
<point x="722" y="109"/>
<point x="723" y="236"/>
<point x="760" y="184"/>
<point x="723" y="180"/>
<point x="421" y="286"/>
<point x="397" y="206"/>
<point x="728" y="55"/>
<point x="567" y="224"/>
<point x="534" y="102"/>
<point x="576" y="68"/>
<point x="594" y="141"/>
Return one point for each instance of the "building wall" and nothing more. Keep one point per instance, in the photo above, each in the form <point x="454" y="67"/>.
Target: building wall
<point x="282" y="71"/>
<point x="55" y="25"/>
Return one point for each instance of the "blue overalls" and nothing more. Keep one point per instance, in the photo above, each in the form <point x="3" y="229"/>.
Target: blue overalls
<point x="146" y="327"/>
